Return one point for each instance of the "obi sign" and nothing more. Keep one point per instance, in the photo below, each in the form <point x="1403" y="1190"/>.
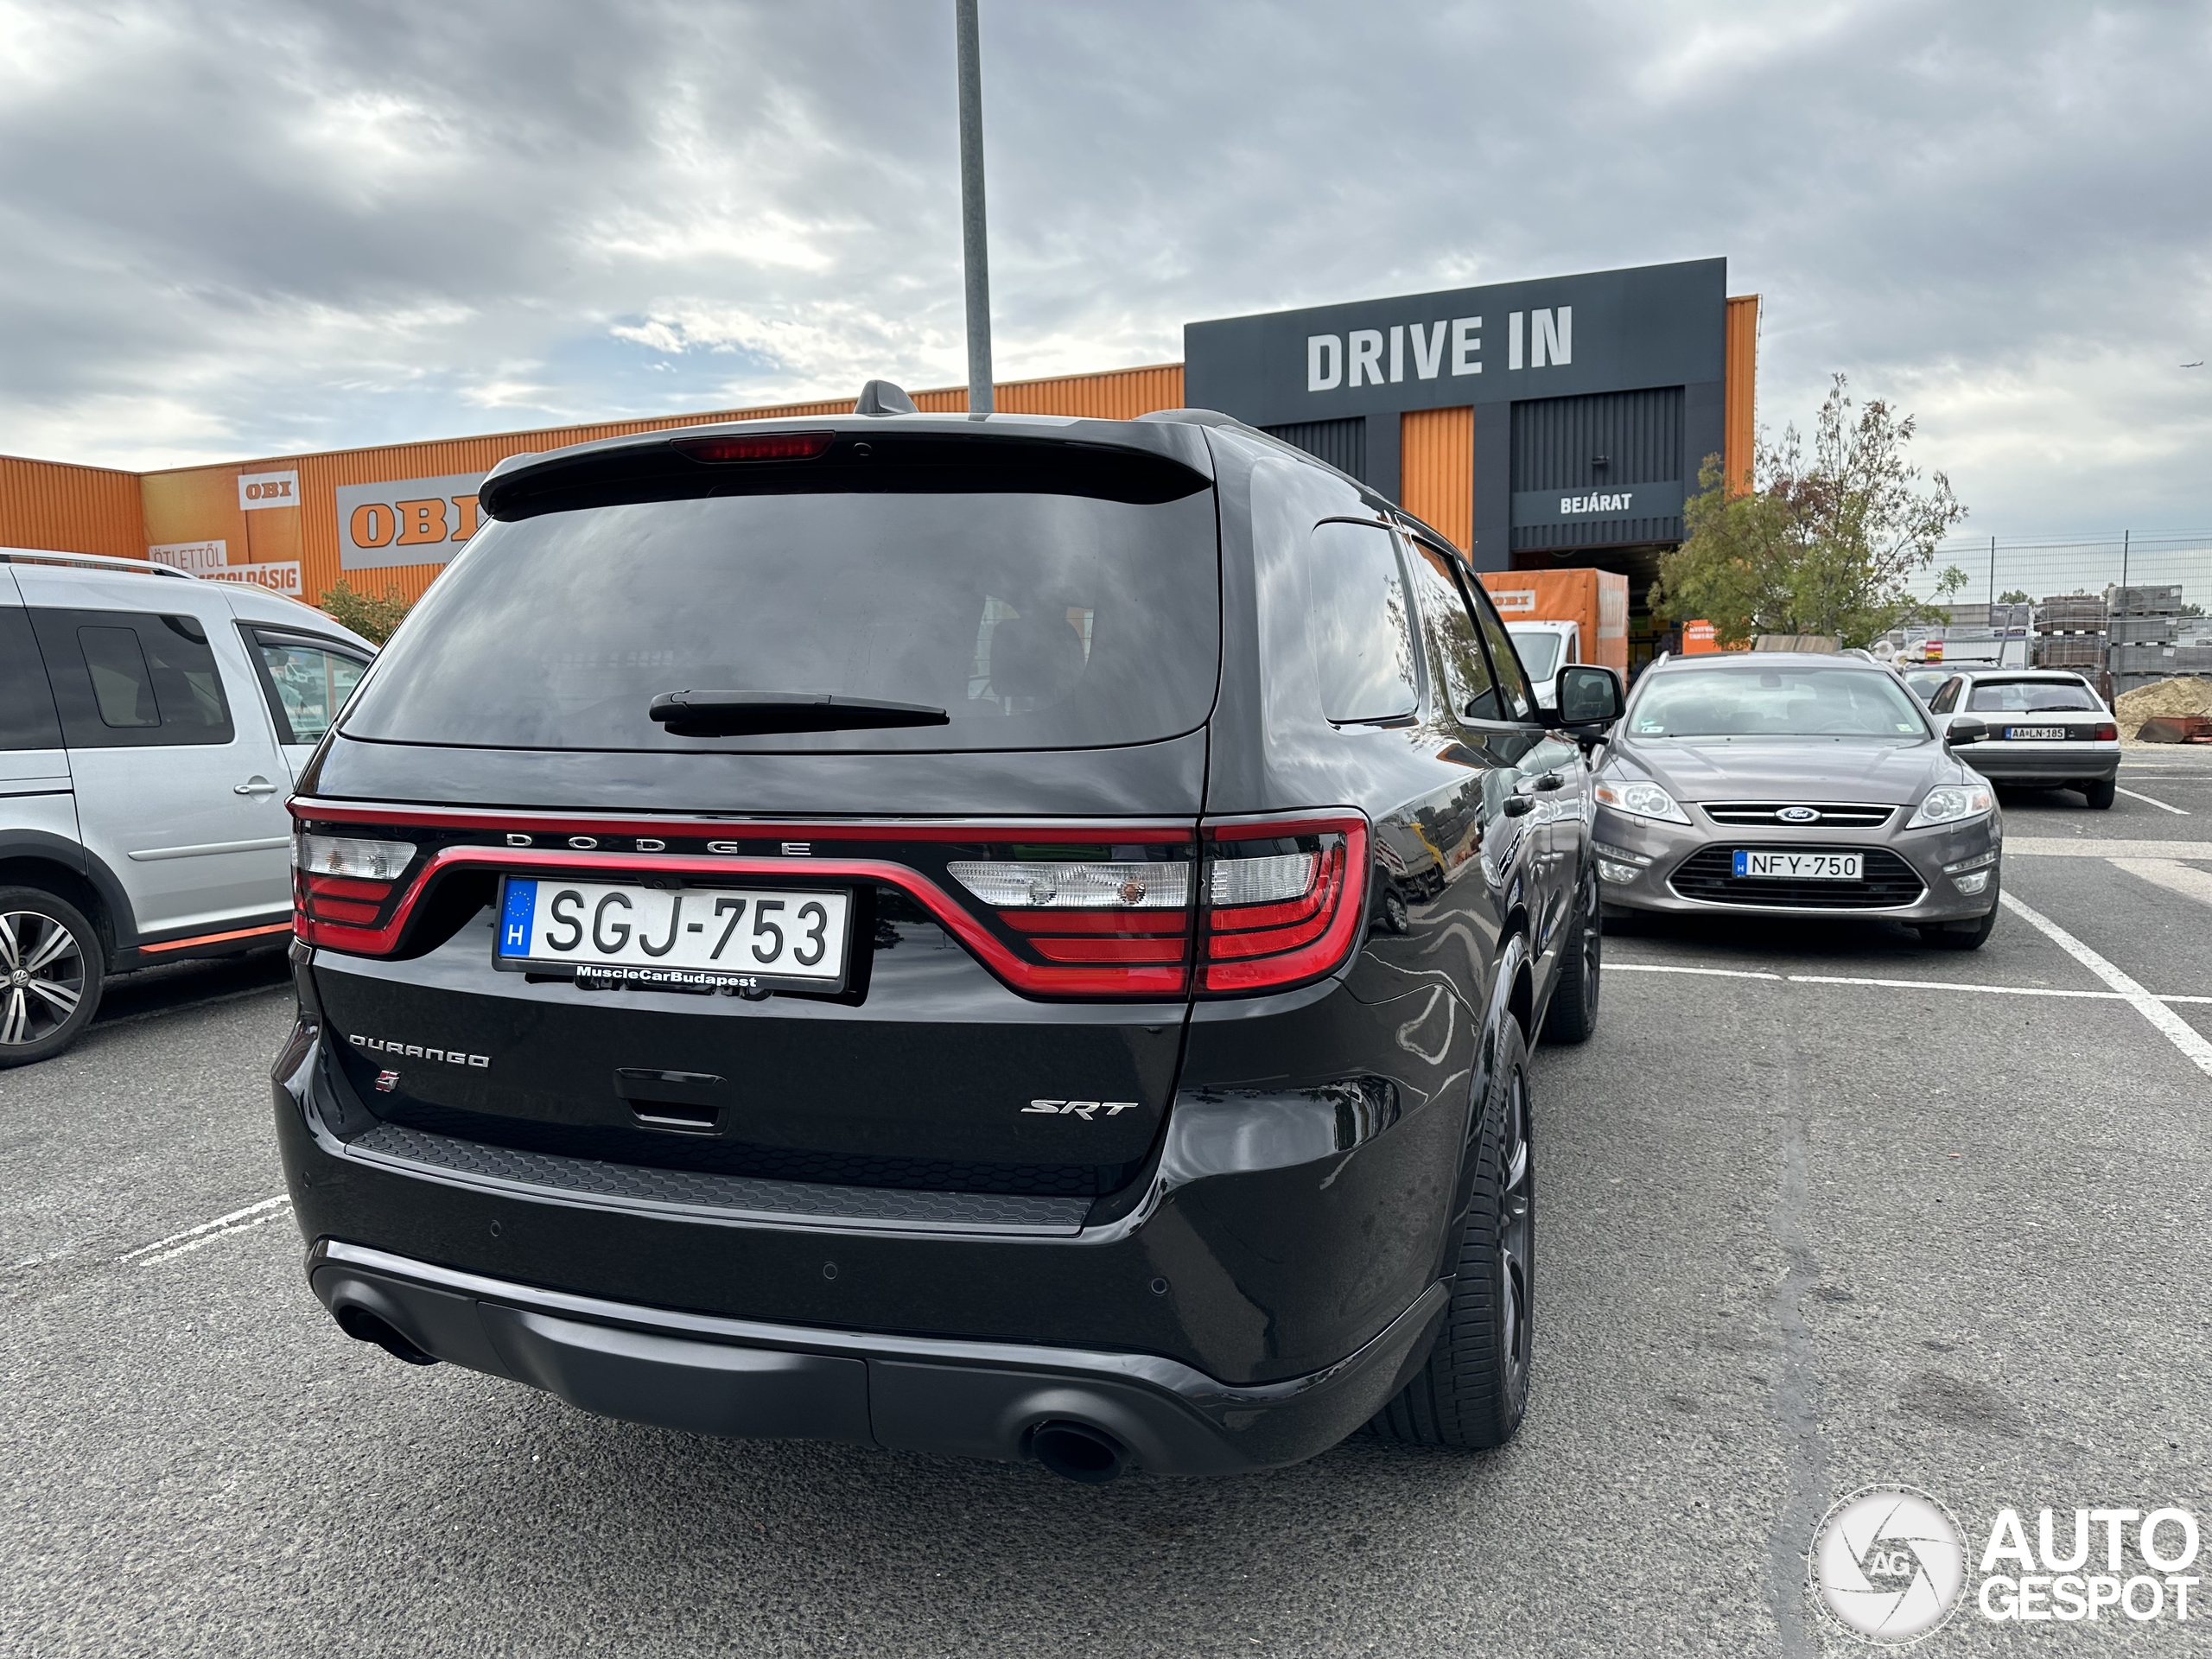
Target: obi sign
<point x="416" y="521"/>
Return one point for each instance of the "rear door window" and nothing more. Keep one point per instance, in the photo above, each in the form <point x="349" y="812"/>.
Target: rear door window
<point x="1361" y="624"/>
<point x="1515" y="699"/>
<point x="307" y="681"/>
<point x="27" y="719"/>
<point x="1033" y="620"/>
<point x="125" y="679"/>
<point x="1467" y="685"/>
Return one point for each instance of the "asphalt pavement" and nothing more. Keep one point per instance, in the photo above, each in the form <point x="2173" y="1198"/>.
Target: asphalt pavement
<point x="1801" y="1228"/>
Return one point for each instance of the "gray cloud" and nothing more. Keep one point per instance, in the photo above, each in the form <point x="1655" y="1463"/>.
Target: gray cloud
<point x="254" y="228"/>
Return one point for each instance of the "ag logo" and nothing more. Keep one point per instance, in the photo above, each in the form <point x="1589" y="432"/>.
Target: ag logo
<point x="1888" y="1563"/>
<point x="1798" y="815"/>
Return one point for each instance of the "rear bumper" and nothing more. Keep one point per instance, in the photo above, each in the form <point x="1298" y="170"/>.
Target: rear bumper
<point x="706" y="1375"/>
<point x="2022" y="763"/>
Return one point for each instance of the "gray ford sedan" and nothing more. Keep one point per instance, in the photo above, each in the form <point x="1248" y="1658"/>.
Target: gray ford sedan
<point x="1805" y="784"/>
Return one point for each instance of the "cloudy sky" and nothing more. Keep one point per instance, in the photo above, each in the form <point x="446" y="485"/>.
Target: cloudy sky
<point x="247" y="228"/>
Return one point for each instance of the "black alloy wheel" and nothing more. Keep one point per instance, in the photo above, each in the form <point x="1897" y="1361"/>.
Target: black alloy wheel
<point x="51" y="970"/>
<point x="1574" y="1012"/>
<point x="1474" y="1388"/>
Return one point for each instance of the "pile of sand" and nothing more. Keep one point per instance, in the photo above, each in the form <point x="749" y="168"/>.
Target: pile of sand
<point x="2188" y="694"/>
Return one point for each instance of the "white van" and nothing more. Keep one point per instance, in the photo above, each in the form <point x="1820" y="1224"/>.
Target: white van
<point x="151" y="726"/>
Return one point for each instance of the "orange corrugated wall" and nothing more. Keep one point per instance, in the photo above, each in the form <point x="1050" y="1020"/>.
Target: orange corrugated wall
<point x="1437" y="471"/>
<point x="67" y="509"/>
<point x="192" y="503"/>
<point x="1740" y="391"/>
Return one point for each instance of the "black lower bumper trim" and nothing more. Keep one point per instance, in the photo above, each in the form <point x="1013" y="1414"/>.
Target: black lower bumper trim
<point x="709" y="1375"/>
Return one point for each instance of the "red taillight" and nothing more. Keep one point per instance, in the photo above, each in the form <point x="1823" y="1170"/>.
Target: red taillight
<point x="1304" y="881"/>
<point x="1108" y="926"/>
<point x="342" y="887"/>
<point x="2107" y="734"/>
<point x="759" y="446"/>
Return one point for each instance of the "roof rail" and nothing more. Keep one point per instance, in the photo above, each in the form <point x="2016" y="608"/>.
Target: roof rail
<point x="90" y="561"/>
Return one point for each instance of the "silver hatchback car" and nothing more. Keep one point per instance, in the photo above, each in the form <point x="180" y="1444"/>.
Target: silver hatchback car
<point x="1774" y="782"/>
<point x="2045" y="726"/>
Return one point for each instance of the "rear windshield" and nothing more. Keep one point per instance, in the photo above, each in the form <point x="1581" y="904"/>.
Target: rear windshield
<point x="1539" y="651"/>
<point x="1775" y="702"/>
<point x="1033" y="620"/>
<point x="2029" y="697"/>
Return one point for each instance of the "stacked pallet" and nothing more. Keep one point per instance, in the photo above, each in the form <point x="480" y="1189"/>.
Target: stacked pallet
<point x="2142" y="623"/>
<point x="2070" y="632"/>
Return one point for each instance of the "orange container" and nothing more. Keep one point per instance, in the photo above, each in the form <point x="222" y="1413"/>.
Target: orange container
<point x="1596" y="599"/>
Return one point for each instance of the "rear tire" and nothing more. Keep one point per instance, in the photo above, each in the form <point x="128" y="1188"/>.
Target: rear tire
<point x="2100" y="791"/>
<point x="1474" y="1388"/>
<point x="1574" y="1012"/>
<point x="52" y="969"/>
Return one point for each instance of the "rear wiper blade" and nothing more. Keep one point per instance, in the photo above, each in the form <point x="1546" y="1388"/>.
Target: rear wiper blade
<point x="733" y="714"/>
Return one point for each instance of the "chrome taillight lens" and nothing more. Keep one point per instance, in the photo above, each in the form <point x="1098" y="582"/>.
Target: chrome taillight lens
<point x="342" y="882"/>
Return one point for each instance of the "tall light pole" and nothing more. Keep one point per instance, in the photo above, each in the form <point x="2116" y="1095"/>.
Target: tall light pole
<point x="974" y="246"/>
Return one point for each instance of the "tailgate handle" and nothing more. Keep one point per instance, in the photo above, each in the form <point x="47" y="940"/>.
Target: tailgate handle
<point x="688" y="1103"/>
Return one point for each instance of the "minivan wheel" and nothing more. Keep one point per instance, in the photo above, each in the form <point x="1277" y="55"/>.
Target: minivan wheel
<point x="1475" y="1387"/>
<point x="51" y="970"/>
<point x="1573" y="1012"/>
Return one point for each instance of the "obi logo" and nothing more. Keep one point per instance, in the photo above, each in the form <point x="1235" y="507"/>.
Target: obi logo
<point x="415" y="521"/>
<point x="259" y="489"/>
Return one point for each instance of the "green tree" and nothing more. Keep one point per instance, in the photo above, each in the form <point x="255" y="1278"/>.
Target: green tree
<point x="371" y="618"/>
<point x="2012" y="596"/>
<point x="1827" y="544"/>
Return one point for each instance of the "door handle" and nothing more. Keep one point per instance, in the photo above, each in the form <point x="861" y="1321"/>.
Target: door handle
<point x="255" y="785"/>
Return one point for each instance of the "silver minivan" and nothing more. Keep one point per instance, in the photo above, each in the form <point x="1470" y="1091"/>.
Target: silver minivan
<point x="151" y="726"/>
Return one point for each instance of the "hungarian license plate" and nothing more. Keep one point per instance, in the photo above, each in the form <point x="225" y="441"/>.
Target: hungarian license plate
<point x="674" y="938"/>
<point x="1800" y="867"/>
<point x="2033" y="733"/>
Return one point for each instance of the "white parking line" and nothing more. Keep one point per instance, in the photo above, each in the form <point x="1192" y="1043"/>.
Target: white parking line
<point x="1892" y="984"/>
<point x="2091" y="847"/>
<point x="2152" y="800"/>
<point x="2179" y="1031"/>
<point x="2171" y="874"/>
<point x="207" y="1232"/>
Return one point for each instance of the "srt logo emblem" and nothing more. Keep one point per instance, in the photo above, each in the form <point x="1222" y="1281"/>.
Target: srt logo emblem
<point x="1084" y="1109"/>
<point x="1798" y="815"/>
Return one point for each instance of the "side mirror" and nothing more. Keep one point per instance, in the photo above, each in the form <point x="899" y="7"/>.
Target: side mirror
<point x="1588" y="696"/>
<point x="1965" y="728"/>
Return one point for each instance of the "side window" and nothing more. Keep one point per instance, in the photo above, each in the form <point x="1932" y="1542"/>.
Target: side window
<point x="1517" y="701"/>
<point x="1946" y="698"/>
<point x="307" y="683"/>
<point x="126" y="679"/>
<point x="1450" y="631"/>
<point x="28" y="720"/>
<point x="1360" y="624"/>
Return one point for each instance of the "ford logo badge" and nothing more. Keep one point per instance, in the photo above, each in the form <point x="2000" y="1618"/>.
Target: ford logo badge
<point x="1798" y="815"/>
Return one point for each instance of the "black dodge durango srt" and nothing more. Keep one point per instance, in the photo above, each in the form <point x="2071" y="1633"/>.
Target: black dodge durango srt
<point x="1016" y="938"/>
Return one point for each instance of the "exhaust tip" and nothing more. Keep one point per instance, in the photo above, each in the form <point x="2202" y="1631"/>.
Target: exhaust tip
<point x="1079" y="1452"/>
<point x="361" y="1324"/>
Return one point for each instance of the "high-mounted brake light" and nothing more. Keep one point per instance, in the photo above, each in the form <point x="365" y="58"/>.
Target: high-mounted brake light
<point x="759" y="445"/>
<point x="1284" y="900"/>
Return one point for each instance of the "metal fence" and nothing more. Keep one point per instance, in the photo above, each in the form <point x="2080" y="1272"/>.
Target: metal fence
<point x="2130" y="609"/>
